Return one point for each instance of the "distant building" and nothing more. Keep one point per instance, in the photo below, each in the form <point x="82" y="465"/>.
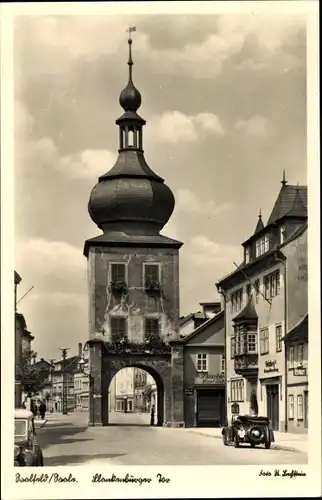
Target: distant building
<point x="81" y="381"/>
<point x="23" y="339"/>
<point x="191" y="321"/>
<point x="68" y="366"/>
<point x="145" y="391"/>
<point x="296" y="343"/>
<point x="264" y="299"/>
<point x="44" y="368"/>
<point x="125" y="390"/>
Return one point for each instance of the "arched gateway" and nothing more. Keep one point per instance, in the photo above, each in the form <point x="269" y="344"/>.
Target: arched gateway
<point x="133" y="274"/>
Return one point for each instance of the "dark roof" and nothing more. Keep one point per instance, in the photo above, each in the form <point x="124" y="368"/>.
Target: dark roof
<point x="196" y="315"/>
<point x="259" y="225"/>
<point x="204" y="325"/>
<point x="17" y="278"/>
<point x="70" y="363"/>
<point x="248" y="313"/>
<point x="289" y="197"/>
<point x="20" y="317"/>
<point x="300" y="330"/>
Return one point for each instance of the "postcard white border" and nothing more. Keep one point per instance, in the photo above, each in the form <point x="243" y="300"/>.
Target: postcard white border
<point x="201" y="482"/>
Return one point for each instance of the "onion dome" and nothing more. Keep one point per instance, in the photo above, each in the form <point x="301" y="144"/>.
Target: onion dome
<point x="131" y="197"/>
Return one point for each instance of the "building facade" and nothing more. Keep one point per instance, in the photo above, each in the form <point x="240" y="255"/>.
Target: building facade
<point x="296" y="346"/>
<point x="67" y="368"/>
<point x="189" y="323"/>
<point x="204" y="374"/>
<point x="264" y="298"/>
<point x="145" y="392"/>
<point x="81" y="381"/>
<point x="133" y="274"/>
<point x="124" y="397"/>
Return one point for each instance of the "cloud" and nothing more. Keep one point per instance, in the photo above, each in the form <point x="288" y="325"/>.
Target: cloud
<point x="174" y="126"/>
<point x="254" y="126"/>
<point x="204" y="251"/>
<point x="187" y="201"/>
<point x="88" y="164"/>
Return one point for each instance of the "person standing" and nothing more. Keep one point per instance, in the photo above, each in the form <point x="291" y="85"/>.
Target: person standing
<point x="152" y="414"/>
<point x="42" y="410"/>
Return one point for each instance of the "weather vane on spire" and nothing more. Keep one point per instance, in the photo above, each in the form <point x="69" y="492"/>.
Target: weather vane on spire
<point x="130" y="30"/>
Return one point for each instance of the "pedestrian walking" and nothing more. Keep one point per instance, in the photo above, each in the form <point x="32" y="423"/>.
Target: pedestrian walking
<point x="42" y="410"/>
<point x="152" y="414"/>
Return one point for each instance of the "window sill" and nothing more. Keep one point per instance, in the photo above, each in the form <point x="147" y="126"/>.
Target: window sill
<point x="264" y="353"/>
<point x="300" y="419"/>
<point x="279" y="350"/>
<point x="202" y="371"/>
<point x="291" y="419"/>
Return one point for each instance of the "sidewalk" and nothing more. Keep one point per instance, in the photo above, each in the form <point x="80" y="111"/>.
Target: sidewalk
<point x="283" y="440"/>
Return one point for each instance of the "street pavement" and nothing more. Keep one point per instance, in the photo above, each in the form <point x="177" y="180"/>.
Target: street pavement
<point x="130" y="440"/>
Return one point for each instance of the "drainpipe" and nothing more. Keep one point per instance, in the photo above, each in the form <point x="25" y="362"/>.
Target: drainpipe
<point x="223" y="294"/>
<point x="286" y="330"/>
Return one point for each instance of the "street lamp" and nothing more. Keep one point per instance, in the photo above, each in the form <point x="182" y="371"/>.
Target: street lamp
<point x="64" y="355"/>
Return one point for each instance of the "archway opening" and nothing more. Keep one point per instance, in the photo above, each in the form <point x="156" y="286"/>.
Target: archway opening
<point x="136" y="397"/>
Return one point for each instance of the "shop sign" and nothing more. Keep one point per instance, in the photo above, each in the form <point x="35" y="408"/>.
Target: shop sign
<point x="207" y="378"/>
<point x="270" y="366"/>
<point x="235" y="409"/>
<point x="300" y="372"/>
<point x="188" y="391"/>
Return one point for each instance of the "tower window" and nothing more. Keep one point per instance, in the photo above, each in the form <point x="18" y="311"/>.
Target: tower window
<point x="151" y="274"/>
<point x="152" y="326"/>
<point x="118" y="273"/>
<point x="118" y="328"/>
<point x="131" y="139"/>
<point x="282" y="234"/>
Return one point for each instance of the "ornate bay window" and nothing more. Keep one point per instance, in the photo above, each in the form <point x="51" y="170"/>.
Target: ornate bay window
<point x="245" y="352"/>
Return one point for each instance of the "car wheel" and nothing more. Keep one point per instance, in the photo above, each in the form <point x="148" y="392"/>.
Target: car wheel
<point x="224" y="440"/>
<point x="256" y="434"/>
<point x="236" y="442"/>
<point x="267" y="445"/>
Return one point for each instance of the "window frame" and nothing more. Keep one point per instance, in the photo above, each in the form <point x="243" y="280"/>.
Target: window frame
<point x="248" y="290"/>
<point x="255" y="351"/>
<point x="257" y="285"/>
<point x="278" y="339"/>
<point x="282" y="230"/>
<point x="272" y="284"/>
<point x="237" y="388"/>
<point x="223" y="364"/>
<point x="119" y="318"/>
<point x="144" y="276"/>
<point x="152" y="333"/>
<point x="111" y="264"/>
<point x="262" y="245"/>
<point x="202" y="358"/>
<point x="300" y="359"/>
<point x="235" y="305"/>
<point x="298" y="406"/>
<point x="247" y="255"/>
<point x="291" y="407"/>
<point x="291" y="358"/>
<point x="232" y="347"/>
<point x="263" y="339"/>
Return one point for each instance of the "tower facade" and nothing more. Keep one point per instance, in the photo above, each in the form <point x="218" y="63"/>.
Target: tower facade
<point x="133" y="274"/>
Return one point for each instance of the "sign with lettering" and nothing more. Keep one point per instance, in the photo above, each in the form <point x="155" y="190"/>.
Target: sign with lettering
<point x="188" y="391"/>
<point x="208" y="378"/>
<point x="300" y="371"/>
<point x="270" y="366"/>
<point x="235" y="409"/>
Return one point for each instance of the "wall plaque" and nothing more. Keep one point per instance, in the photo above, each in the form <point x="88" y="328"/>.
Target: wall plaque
<point x="300" y="372"/>
<point x="270" y="366"/>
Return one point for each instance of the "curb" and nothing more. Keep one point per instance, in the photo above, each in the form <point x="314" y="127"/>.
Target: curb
<point x="275" y="446"/>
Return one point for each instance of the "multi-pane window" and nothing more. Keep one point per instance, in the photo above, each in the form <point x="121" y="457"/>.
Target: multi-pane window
<point x="300" y="355"/>
<point x="151" y="274"/>
<point x="247" y="255"/>
<point x="262" y="245"/>
<point x="118" y="273"/>
<point x="272" y="284"/>
<point x="282" y="234"/>
<point x="257" y="285"/>
<point x="222" y="363"/>
<point x="118" y="327"/>
<point x="291" y="357"/>
<point x="300" y="407"/>
<point x="232" y="346"/>
<point x="248" y="290"/>
<point x="264" y="341"/>
<point x="152" y="326"/>
<point x="252" y="343"/>
<point x="278" y="337"/>
<point x="237" y="390"/>
<point x="236" y="300"/>
<point x="290" y="406"/>
<point x="202" y="362"/>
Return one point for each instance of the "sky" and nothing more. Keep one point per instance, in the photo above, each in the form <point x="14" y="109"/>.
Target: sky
<point x="224" y="98"/>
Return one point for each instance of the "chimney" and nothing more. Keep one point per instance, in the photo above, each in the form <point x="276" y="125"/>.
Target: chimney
<point x="42" y="359"/>
<point x="80" y="349"/>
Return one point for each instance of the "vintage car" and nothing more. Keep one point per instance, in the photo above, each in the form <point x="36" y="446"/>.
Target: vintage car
<point x="247" y="429"/>
<point x="27" y="453"/>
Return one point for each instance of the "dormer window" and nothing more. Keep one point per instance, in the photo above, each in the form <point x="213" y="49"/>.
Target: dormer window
<point x="262" y="245"/>
<point x="247" y="255"/>
<point x="282" y="233"/>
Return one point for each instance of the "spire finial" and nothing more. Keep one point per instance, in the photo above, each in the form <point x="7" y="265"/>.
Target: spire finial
<point x="284" y="181"/>
<point x="260" y="213"/>
<point x="298" y="187"/>
<point x="130" y="30"/>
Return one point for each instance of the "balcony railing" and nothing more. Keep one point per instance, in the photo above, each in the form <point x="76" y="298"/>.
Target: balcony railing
<point x="246" y="364"/>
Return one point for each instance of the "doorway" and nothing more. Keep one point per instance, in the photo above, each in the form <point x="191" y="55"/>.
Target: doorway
<point x="210" y="407"/>
<point x="272" y="396"/>
<point x="306" y="409"/>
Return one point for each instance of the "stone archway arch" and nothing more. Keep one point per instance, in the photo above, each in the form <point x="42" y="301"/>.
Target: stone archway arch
<point x="158" y="372"/>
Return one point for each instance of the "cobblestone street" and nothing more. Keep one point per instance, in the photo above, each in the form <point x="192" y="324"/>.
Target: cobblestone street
<point x="66" y="440"/>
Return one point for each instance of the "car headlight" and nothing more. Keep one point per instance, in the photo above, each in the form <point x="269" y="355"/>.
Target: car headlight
<point x="241" y="432"/>
<point x="16" y="451"/>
